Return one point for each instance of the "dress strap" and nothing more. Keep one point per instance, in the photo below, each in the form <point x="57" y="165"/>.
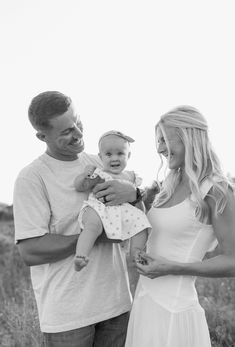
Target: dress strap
<point x="205" y="187"/>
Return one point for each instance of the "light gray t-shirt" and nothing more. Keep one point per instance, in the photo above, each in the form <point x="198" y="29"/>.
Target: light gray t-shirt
<point x="45" y="201"/>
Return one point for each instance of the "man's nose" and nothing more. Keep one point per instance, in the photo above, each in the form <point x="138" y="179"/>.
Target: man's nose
<point x="77" y="132"/>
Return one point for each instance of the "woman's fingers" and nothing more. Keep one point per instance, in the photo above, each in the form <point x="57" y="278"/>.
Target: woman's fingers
<point x="146" y="256"/>
<point x="142" y="269"/>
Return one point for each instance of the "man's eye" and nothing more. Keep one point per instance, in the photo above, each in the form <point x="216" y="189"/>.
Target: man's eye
<point x="67" y="132"/>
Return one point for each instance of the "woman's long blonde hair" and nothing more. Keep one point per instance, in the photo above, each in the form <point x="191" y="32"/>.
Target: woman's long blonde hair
<point x="201" y="162"/>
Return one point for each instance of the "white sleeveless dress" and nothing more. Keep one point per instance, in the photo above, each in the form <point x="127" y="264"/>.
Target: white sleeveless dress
<point x="166" y="311"/>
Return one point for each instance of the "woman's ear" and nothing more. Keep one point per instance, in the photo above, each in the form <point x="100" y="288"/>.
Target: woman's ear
<point x="41" y="136"/>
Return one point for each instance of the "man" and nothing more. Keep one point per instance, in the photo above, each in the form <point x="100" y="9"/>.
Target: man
<point x="84" y="309"/>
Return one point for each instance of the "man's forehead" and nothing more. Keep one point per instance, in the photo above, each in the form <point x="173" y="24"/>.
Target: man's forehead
<point x="65" y="120"/>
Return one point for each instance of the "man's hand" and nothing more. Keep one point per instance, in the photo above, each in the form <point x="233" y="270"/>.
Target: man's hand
<point x="116" y="192"/>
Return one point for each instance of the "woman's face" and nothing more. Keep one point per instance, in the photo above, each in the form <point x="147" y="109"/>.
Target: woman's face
<point x="170" y="145"/>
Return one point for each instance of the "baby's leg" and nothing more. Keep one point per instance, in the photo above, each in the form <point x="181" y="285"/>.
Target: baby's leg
<point x="92" y="229"/>
<point x="137" y="244"/>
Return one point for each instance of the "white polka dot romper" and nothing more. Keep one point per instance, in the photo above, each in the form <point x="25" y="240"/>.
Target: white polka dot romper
<point x="120" y="222"/>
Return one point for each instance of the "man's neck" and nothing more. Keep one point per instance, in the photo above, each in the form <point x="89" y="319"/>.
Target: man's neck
<point x="61" y="156"/>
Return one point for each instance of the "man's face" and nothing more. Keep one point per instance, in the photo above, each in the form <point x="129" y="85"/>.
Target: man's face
<point x="64" y="138"/>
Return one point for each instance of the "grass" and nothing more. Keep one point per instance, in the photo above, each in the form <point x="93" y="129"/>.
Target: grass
<point x="19" y="325"/>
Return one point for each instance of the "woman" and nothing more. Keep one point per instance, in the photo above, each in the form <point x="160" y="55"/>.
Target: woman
<point x="193" y="212"/>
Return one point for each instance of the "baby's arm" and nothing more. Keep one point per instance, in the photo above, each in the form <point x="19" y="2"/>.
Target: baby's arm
<point x="83" y="182"/>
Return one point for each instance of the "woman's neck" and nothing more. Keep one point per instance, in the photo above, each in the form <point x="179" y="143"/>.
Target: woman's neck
<point x="183" y="177"/>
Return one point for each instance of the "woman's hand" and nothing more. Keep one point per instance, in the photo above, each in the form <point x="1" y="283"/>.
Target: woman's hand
<point x="153" y="267"/>
<point x="116" y="192"/>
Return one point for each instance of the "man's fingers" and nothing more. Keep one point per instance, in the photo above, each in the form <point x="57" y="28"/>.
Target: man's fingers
<point x="100" y="187"/>
<point x="110" y="200"/>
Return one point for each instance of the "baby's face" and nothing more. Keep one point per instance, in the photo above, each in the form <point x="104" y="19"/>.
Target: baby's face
<point x="114" y="153"/>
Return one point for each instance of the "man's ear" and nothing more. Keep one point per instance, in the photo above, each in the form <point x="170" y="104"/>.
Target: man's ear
<point x="129" y="154"/>
<point x="99" y="155"/>
<point x="41" y="136"/>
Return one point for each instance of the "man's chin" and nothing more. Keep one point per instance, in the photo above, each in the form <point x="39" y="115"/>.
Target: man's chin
<point x="77" y="149"/>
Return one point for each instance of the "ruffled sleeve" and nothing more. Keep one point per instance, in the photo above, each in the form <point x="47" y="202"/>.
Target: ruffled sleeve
<point x="99" y="172"/>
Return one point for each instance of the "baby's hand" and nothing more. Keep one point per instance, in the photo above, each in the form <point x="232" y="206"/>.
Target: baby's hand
<point x="89" y="169"/>
<point x="140" y="258"/>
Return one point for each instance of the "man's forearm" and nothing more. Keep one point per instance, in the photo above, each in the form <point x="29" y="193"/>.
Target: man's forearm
<point x="48" y="248"/>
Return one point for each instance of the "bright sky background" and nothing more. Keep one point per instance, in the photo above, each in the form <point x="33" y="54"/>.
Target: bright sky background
<point x="124" y="63"/>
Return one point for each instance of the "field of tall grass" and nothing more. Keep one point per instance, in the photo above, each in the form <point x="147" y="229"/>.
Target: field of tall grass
<point x="18" y="315"/>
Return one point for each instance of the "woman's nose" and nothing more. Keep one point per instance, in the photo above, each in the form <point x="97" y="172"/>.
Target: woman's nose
<point x="160" y="148"/>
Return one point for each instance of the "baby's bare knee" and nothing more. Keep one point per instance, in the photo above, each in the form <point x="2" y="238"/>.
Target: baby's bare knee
<point x="92" y="220"/>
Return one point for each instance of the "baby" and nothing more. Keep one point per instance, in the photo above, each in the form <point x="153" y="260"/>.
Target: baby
<point x="120" y="222"/>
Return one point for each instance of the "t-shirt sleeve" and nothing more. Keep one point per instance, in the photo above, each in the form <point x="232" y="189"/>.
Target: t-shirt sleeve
<point x="94" y="159"/>
<point x="31" y="209"/>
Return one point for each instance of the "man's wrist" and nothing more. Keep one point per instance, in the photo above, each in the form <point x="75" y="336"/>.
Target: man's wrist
<point x="139" y="196"/>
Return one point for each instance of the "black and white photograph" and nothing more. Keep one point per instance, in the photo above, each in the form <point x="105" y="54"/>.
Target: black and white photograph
<point x="117" y="190"/>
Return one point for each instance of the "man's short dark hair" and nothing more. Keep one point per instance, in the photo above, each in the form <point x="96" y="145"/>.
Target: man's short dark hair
<point x="45" y="106"/>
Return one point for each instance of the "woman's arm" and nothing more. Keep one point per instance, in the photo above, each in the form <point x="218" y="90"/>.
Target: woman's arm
<point x="222" y="265"/>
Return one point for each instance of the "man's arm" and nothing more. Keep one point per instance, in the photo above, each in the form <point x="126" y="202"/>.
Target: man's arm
<point x="32" y="215"/>
<point x="116" y="192"/>
<point x="48" y="248"/>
